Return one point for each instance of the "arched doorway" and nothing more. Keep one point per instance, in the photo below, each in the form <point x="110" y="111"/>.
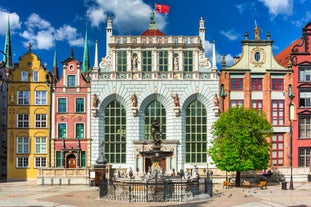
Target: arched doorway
<point x="71" y="161"/>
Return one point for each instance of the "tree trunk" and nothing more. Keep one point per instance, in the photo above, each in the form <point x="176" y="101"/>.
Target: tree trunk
<point x="237" y="179"/>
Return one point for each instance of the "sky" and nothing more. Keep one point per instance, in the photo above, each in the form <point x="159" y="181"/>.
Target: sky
<point x="61" y="25"/>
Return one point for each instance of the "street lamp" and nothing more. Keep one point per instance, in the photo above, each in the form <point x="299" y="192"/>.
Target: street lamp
<point x="291" y="96"/>
<point x="223" y="96"/>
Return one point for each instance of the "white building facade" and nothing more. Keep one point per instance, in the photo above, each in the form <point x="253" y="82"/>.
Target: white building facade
<point x="147" y="77"/>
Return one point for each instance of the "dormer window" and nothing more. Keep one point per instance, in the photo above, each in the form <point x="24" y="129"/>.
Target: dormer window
<point x="71" y="81"/>
<point x="24" y="77"/>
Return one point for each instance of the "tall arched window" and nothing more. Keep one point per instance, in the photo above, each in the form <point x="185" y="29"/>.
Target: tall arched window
<point x="155" y="110"/>
<point x="115" y="133"/>
<point x="196" y="136"/>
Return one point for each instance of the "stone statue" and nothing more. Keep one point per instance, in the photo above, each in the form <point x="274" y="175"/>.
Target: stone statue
<point x="134" y="100"/>
<point x="95" y="101"/>
<point x="216" y="100"/>
<point x="176" y="100"/>
<point x="176" y="62"/>
<point x="134" y="61"/>
<point x="155" y="129"/>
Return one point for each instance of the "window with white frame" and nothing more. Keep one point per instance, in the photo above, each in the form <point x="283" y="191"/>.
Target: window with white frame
<point x="277" y="112"/>
<point x="40" y="162"/>
<point x="305" y="98"/>
<point x="40" y="120"/>
<point x="22" y="162"/>
<point x="277" y="149"/>
<point x="80" y="130"/>
<point x="304" y="126"/>
<point x="35" y="76"/>
<point x="236" y="103"/>
<point x="22" y="97"/>
<point x="22" y="145"/>
<point x="62" y="105"/>
<point x="71" y="81"/>
<point x="79" y="105"/>
<point x="40" y="145"/>
<point x="40" y="97"/>
<point x="304" y="73"/>
<point x="304" y="156"/>
<point x="62" y="129"/>
<point x="22" y="120"/>
<point x="24" y="76"/>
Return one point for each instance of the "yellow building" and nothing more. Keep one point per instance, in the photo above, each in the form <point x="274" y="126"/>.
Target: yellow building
<point x="28" y="133"/>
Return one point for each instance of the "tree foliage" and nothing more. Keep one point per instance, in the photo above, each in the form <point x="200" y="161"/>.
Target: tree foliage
<point x="240" y="142"/>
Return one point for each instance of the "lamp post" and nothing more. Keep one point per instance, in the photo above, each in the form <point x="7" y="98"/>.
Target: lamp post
<point x="291" y="96"/>
<point x="223" y="96"/>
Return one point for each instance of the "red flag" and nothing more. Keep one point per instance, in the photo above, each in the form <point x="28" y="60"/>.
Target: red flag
<point x="161" y="8"/>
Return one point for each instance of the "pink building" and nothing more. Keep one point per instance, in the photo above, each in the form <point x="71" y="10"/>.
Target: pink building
<point x="71" y="136"/>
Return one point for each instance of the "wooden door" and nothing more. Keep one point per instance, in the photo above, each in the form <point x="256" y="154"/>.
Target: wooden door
<point x="71" y="161"/>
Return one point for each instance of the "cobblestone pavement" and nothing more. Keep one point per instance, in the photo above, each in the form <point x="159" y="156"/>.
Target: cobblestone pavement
<point x="30" y="194"/>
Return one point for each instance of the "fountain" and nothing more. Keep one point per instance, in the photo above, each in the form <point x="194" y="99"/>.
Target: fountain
<point x="155" y="185"/>
<point x="156" y="154"/>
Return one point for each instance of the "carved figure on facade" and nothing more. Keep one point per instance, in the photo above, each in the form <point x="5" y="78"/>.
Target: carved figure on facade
<point x="176" y="61"/>
<point x="203" y="61"/>
<point x="106" y="62"/>
<point x="176" y="100"/>
<point x="134" y="61"/>
<point x="216" y="100"/>
<point x="176" y="104"/>
<point x="134" y="104"/>
<point x="216" y="105"/>
<point x="95" y="102"/>
<point x="134" y="100"/>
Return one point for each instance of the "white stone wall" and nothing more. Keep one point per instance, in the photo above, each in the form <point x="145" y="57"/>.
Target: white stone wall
<point x="146" y="92"/>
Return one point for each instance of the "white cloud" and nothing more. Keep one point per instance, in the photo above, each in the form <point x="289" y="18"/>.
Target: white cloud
<point x="228" y="59"/>
<point x="69" y="33"/>
<point x="209" y="53"/>
<point x="230" y="34"/>
<point x="129" y="16"/>
<point x="277" y="7"/>
<point x="14" y="22"/>
<point x="42" y="35"/>
<point x="304" y="20"/>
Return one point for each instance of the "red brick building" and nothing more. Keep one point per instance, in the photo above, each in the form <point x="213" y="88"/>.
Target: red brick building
<point x="256" y="80"/>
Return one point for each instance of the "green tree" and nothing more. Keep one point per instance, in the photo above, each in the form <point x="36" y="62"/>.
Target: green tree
<point x="240" y="141"/>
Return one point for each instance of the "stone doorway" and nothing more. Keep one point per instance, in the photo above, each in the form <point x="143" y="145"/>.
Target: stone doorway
<point x="71" y="161"/>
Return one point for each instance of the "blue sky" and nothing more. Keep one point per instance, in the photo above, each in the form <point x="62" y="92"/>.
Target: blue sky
<point x="44" y="23"/>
